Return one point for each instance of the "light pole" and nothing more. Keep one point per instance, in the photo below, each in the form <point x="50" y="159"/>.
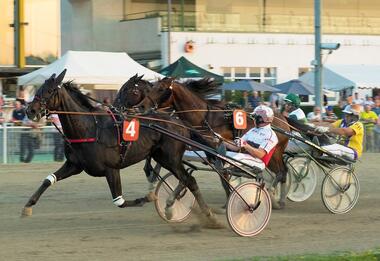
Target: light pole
<point x="318" y="66"/>
<point x="169" y="27"/>
<point x="317" y="59"/>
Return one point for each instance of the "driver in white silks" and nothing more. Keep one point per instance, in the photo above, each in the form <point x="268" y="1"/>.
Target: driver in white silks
<point x="257" y="146"/>
<point x="351" y="131"/>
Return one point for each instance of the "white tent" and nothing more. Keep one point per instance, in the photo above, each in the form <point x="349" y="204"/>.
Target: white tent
<point x="96" y="68"/>
<point x="340" y="77"/>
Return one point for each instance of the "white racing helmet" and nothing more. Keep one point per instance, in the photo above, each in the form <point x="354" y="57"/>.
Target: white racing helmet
<point x="263" y="112"/>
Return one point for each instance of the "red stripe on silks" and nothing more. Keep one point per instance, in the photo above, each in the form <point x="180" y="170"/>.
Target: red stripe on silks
<point x="82" y="140"/>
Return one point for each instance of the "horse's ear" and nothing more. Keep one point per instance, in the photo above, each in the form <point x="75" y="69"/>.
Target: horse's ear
<point x="139" y="79"/>
<point x="52" y="76"/>
<point x="135" y="76"/>
<point x="60" y="77"/>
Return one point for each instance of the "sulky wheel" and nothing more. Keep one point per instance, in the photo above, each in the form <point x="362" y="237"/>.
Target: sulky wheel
<point x="304" y="179"/>
<point x="183" y="204"/>
<point x="340" y="190"/>
<point x="248" y="220"/>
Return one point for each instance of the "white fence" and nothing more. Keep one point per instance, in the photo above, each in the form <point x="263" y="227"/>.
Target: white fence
<point x="24" y="144"/>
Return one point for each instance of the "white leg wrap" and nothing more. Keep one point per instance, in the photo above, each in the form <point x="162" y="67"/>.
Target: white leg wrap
<point x="118" y="201"/>
<point x="52" y="178"/>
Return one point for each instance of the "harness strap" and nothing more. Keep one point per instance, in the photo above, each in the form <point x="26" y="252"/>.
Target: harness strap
<point x="81" y="140"/>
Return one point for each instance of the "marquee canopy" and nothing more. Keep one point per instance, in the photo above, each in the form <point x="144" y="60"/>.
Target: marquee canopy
<point x="98" y="68"/>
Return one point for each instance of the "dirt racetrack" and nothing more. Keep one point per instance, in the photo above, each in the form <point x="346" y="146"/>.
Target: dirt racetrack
<point x="76" y="220"/>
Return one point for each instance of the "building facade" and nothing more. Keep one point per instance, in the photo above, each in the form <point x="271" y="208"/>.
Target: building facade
<point x="270" y="41"/>
<point x="41" y="38"/>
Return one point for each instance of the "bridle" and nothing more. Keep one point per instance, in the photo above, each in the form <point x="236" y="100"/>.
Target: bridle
<point x="44" y="101"/>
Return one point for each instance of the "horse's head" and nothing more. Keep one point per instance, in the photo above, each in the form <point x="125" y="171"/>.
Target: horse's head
<point x="132" y="92"/>
<point x="46" y="97"/>
<point x="159" y="96"/>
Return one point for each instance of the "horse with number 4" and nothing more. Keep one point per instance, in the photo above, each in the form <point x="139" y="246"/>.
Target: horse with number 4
<point x="93" y="143"/>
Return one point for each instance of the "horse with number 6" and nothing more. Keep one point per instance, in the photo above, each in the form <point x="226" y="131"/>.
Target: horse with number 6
<point x="191" y="107"/>
<point x="93" y="144"/>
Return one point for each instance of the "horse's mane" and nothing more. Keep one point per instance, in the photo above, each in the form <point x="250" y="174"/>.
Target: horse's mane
<point x="203" y="86"/>
<point x="83" y="99"/>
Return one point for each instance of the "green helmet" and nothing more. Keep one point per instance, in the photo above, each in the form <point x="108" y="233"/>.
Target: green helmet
<point x="293" y="99"/>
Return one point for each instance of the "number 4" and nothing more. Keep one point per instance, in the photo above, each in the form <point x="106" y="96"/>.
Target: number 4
<point x="131" y="130"/>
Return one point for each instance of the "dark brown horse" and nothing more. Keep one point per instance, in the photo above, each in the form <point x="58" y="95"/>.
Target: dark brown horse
<point x="94" y="146"/>
<point x="195" y="110"/>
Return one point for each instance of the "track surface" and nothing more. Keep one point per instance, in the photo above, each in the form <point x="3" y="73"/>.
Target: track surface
<point x="76" y="220"/>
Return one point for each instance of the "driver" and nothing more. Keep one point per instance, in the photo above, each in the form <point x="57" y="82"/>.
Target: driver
<point x="351" y="133"/>
<point x="293" y="111"/>
<point x="256" y="147"/>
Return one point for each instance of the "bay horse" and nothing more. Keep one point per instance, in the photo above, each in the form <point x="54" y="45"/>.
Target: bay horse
<point x="131" y="93"/>
<point x="199" y="112"/>
<point x="93" y="145"/>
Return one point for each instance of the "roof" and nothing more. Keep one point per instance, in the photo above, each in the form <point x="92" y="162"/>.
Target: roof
<point x="340" y="77"/>
<point x="103" y="68"/>
<point x="364" y="76"/>
<point x="246" y="85"/>
<point x="183" y="68"/>
<point x="295" y="86"/>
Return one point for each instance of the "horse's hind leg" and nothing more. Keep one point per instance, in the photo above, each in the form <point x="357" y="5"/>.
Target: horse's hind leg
<point x="68" y="169"/>
<point x="190" y="182"/>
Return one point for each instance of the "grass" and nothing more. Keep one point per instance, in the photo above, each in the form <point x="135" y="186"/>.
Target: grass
<point x="370" y="255"/>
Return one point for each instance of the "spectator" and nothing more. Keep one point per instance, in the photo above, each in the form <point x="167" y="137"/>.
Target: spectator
<point x="59" y="143"/>
<point x="369" y="101"/>
<point x="369" y="119"/>
<point x="245" y="100"/>
<point x="329" y="115"/>
<point x="376" y="129"/>
<point x="315" y="115"/>
<point x="21" y="97"/>
<point x="254" y="100"/>
<point x="27" y="140"/>
<point x="376" y="107"/>
<point x="325" y="100"/>
<point x="1" y="109"/>
<point x="274" y="100"/>
<point x="357" y="100"/>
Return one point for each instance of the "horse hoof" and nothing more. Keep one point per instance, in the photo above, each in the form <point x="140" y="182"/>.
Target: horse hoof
<point x="151" y="196"/>
<point x="169" y="213"/>
<point x="275" y="204"/>
<point x="26" y="212"/>
<point x="219" y="211"/>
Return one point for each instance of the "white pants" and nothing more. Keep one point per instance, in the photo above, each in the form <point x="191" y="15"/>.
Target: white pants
<point x="247" y="159"/>
<point x="243" y="157"/>
<point x="341" y="150"/>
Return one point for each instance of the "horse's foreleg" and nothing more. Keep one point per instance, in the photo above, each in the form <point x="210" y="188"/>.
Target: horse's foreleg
<point x="67" y="170"/>
<point x="114" y="183"/>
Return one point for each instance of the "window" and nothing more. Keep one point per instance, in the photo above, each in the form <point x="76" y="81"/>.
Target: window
<point x="266" y="75"/>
